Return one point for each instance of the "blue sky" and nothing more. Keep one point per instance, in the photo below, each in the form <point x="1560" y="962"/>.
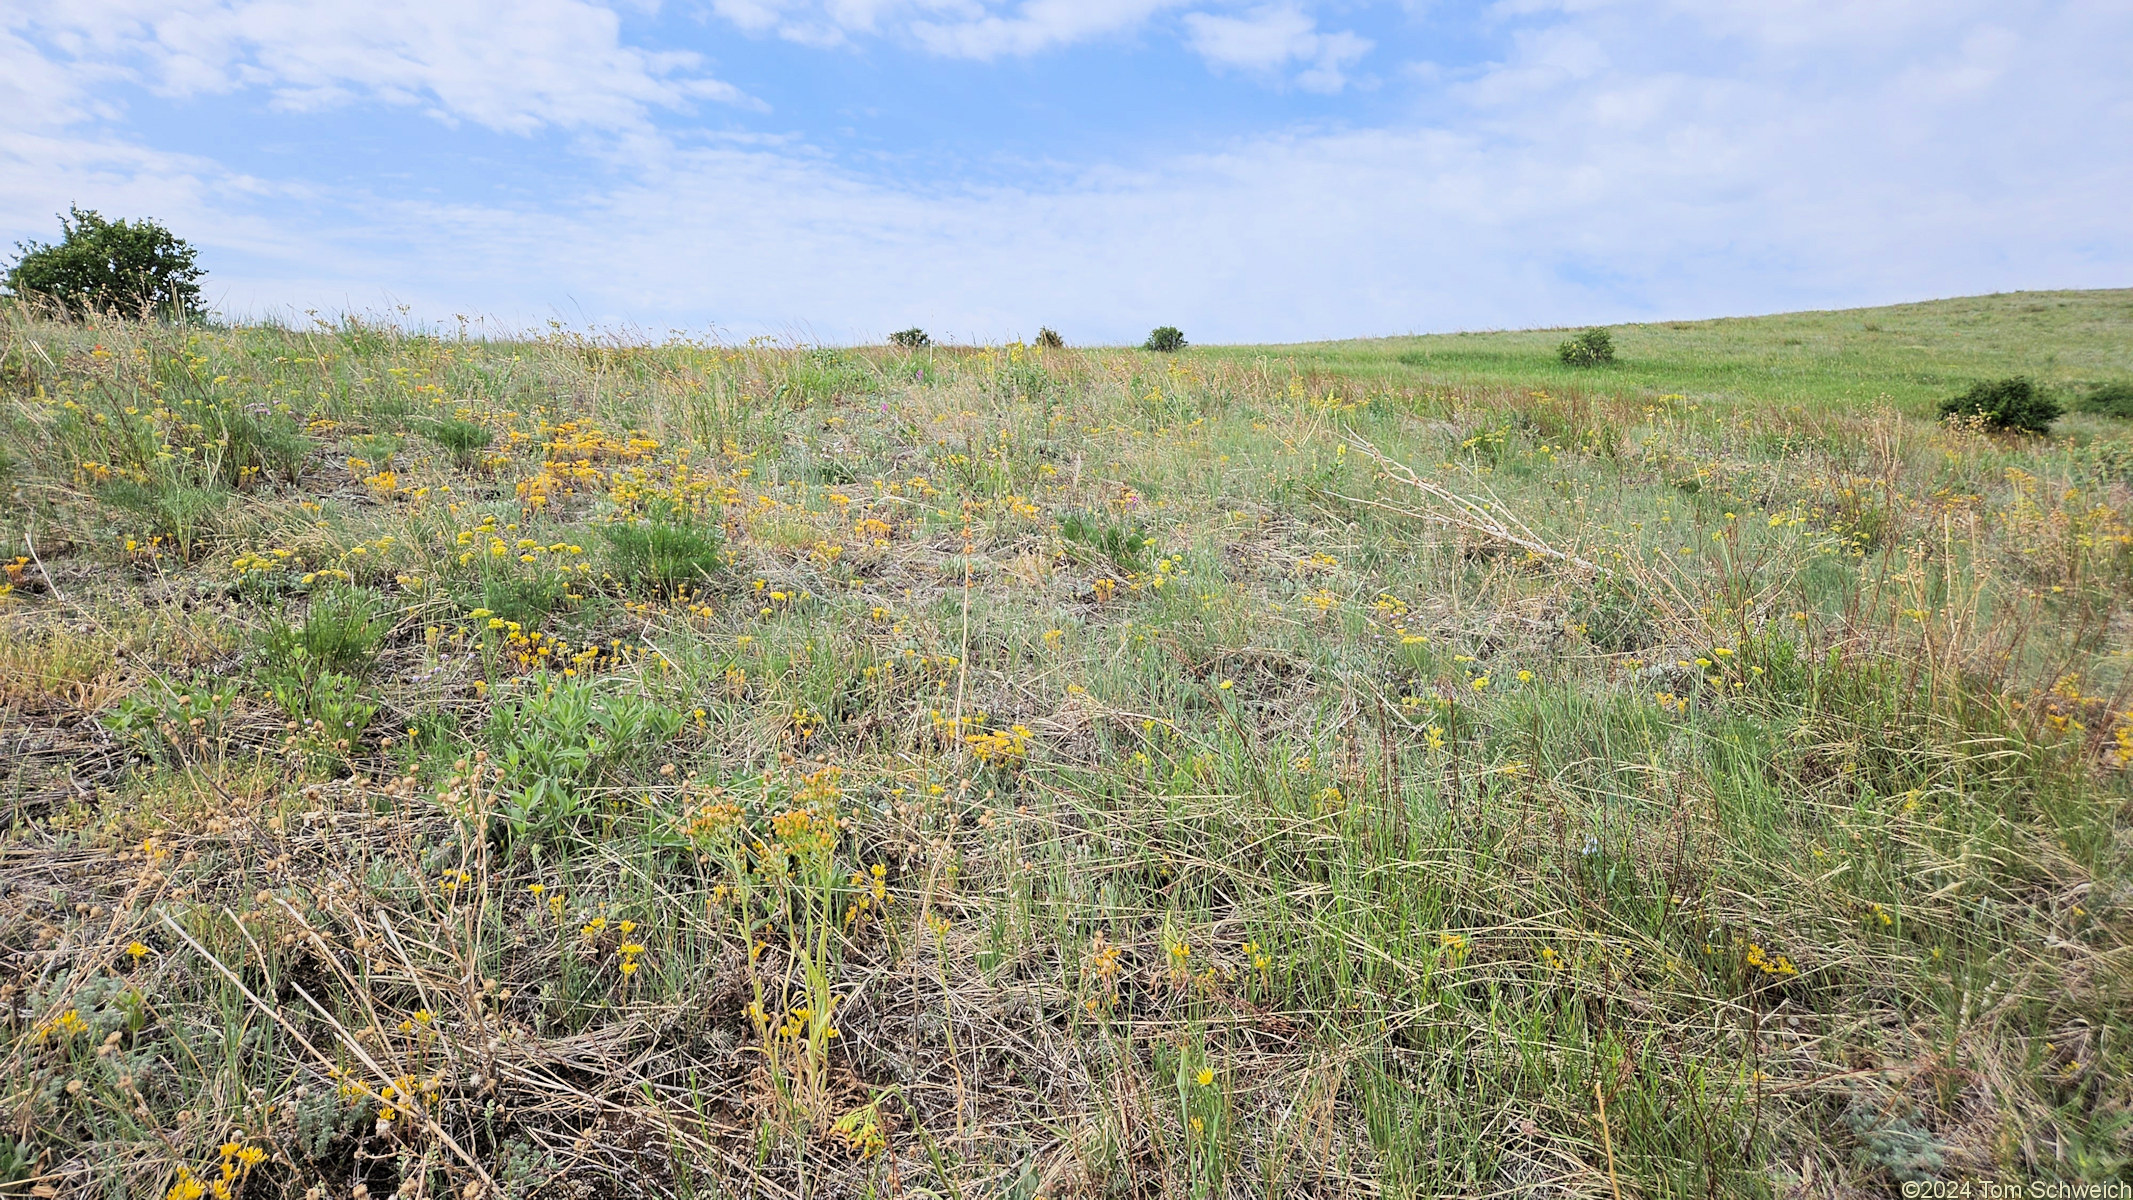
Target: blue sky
<point x="831" y="170"/>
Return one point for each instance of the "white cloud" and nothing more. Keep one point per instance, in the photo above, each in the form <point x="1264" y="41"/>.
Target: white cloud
<point x="1266" y="40"/>
<point x="533" y="64"/>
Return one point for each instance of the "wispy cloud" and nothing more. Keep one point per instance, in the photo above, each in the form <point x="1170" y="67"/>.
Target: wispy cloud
<point x="531" y="65"/>
<point x="1268" y="40"/>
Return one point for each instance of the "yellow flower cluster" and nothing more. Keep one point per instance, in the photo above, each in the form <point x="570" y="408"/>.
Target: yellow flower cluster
<point x="1770" y="965"/>
<point x="1001" y="746"/>
<point x="237" y="1162"/>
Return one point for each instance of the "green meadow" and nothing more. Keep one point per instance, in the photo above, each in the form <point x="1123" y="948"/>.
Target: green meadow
<point x="587" y="768"/>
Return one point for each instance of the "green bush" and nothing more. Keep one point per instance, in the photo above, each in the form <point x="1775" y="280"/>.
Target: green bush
<point x="1592" y="348"/>
<point x="1166" y="339"/>
<point x="662" y="554"/>
<point x="1048" y="339"/>
<point x="2114" y="399"/>
<point x="2011" y="403"/>
<point x="135" y="268"/>
<point x="910" y="339"/>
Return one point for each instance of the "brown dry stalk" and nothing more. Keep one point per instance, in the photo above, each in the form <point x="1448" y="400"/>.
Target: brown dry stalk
<point x="1442" y="506"/>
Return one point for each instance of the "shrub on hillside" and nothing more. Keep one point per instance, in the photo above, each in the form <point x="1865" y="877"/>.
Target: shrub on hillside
<point x="2114" y="399"/>
<point x="1048" y="339"/>
<point x="2011" y="403"/>
<point x="1592" y="348"/>
<point x="913" y="338"/>
<point x="135" y="268"/>
<point x="1167" y="339"/>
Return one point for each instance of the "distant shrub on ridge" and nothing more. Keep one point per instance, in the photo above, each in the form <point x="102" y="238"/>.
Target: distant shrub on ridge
<point x="1166" y="339"/>
<point x="2114" y="399"/>
<point x="1592" y="348"/>
<point x="2011" y="403"/>
<point x="1048" y="339"/>
<point x="913" y="338"/>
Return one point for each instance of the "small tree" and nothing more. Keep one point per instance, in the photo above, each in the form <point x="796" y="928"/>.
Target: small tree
<point x="136" y="268"/>
<point x="1592" y="348"/>
<point x="2011" y="403"/>
<point x="1164" y="338"/>
<point x="913" y="338"/>
<point x="1048" y="339"/>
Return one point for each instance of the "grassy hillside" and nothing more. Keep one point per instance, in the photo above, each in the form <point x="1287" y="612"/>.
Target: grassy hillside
<point x="1911" y="354"/>
<point x="578" y="769"/>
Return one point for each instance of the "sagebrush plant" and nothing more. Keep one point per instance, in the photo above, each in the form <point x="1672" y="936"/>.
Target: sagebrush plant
<point x="2012" y="403"/>
<point x="1592" y="348"/>
<point x="1059" y="773"/>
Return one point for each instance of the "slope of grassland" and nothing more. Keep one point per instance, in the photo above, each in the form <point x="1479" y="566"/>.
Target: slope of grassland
<point x="1908" y="355"/>
<point x="576" y="769"/>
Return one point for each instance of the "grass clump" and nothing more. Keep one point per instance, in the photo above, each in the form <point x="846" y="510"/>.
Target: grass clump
<point x="463" y="440"/>
<point x="662" y="555"/>
<point x="2014" y="403"/>
<point x="1592" y="348"/>
<point x="341" y="632"/>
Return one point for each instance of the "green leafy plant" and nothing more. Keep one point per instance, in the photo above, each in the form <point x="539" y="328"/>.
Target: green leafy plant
<point x="2113" y="399"/>
<point x="1592" y="348"/>
<point x="2011" y="403"/>
<point x="1124" y="542"/>
<point x="662" y="554"/>
<point x="134" y="268"/>
<point x="913" y="338"/>
<point x="164" y="718"/>
<point x="1894" y="1141"/>
<point x="560" y="735"/>
<point x="1048" y="339"/>
<point x="1165" y="339"/>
